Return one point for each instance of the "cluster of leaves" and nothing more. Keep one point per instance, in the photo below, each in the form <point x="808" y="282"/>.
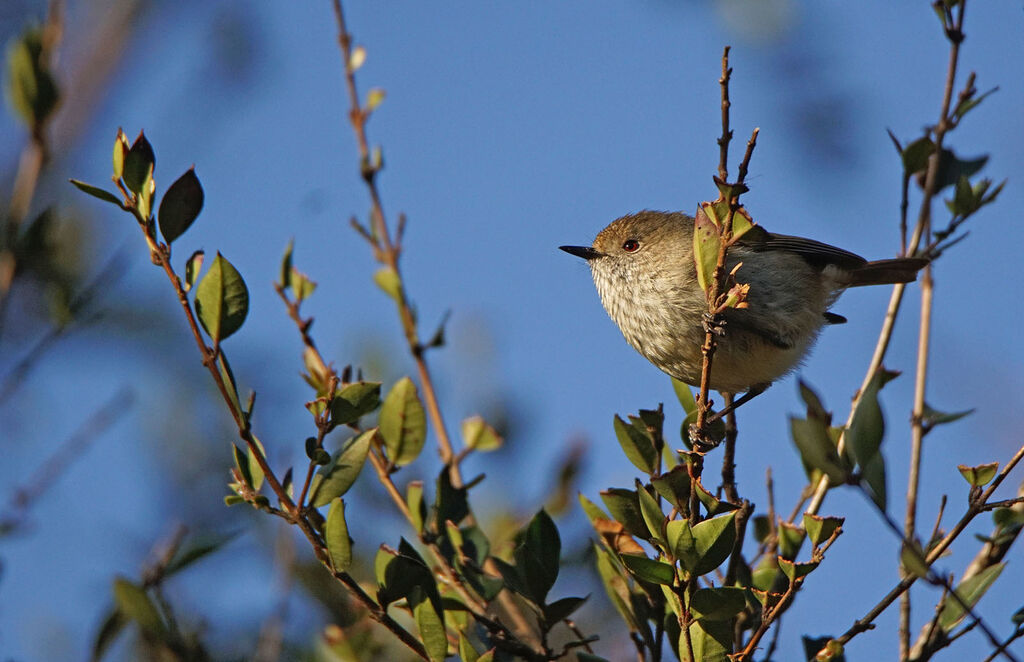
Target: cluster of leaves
<point x="449" y="614"/>
<point x="662" y="545"/>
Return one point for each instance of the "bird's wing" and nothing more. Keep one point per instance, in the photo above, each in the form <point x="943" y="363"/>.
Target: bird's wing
<point x="815" y="252"/>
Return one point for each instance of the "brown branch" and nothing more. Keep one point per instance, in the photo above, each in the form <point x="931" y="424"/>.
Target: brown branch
<point x="723" y="142"/>
<point x="389" y="251"/>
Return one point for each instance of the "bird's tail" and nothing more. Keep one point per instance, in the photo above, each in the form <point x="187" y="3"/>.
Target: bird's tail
<point x="888" y="272"/>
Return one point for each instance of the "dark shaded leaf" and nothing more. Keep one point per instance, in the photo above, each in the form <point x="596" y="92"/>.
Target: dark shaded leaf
<point x="821" y="529"/>
<point x="717" y="604"/>
<point x="353" y="401"/>
<point x="714" y="539"/>
<point x="624" y="506"/>
<point x="637" y="446"/>
<point x="97" y="192"/>
<point x="562" y="609"/>
<point x="139" y="164"/>
<point x="180" y="205"/>
<point x="649" y="570"/>
<point x="133" y="602"/>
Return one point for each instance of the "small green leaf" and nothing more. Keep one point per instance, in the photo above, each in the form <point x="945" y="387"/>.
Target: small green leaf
<point x="222" y="300"/>
<point x="133" y="602"/>
<point x="762" y="527"/>
<point x="717" y="604"/>
<point x="652" y="514"/>
<point x="706" y="242"/>
<point x="823" y="649"/>
<point x="714" y="539"/>
<point x="821" y="529"/>
<point x="932" y="417"/>
<point x="121" y="148"/>
<point x="682" y="543"/>
<point x="561" y="609"/>
<point x="649" y="570"/>
<point x="591" y="509"/>
<point x="674" y="486"/>
<point x="795" y="571"/>
<point x="388" y="281"/>
<point x="180" y="205"/>
<point x="711" y="640"/>
<point x="637" y="446"/>
<point x="980" y="475"/>
<point x="912" y="559"/>
<point x="970" y="591"/>
<point x="537" y="556"/>
<point x="873" y="476"/>
<point x="867" y="424"/>
<point x="952" y="168"/>
<point x="791" y="538"/>
<point x="817" y="451"/>
<point x="417" y="506"/>
<point x="374" y="98"/>
<point x="198" y="548"/>
<point x="615" y="586"/>
<point x="915" y="156"/>
<point x="430" y="624"/>
<point x="339" y="545"/>
<point x="624" y="506"/>
<point x="192" y="268"/>
<point x="334" y="479"/>
<point x="30" y="88"/>
<point x="403" y="423"/>
<point x="109" y="631"/>
<point x="480" y="436"/>
<point x="685" y="396"/>
<point x="353" y="401"/>
<point x="139" y="164"/>
<point x="97" y="192"/>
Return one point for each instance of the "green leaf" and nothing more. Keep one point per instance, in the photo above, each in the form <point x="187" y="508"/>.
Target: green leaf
<point x="649" y="570"/>
<point x="133" y="602"/>
<point x="591" y="509"/>
<point x="915" y="156"/>
<point x="222" y="300"/>
<point x="286" y="265"/>
<point x="821" y="529"/>
<point x="674" y="486"/>
<point x="112" y="626"/>
<point x="537" y="556"/>
<point x="952" y="168"/>
<point x="228" y="377"/>
<point x="912" y="559"/>
<point x="624" y="506"/>
<point x="705" y="247"/>
<point x="762" y="527"/>
<point x="791" y="538"/>
<point x="561" y="609"/>
<point x="403" y="423"/>
<point x="932" y="417"/>
<point x="970" y="591"/>
<point x="717" y="604"/>
<point x="795" y="571"/>
<point x="873" y="475"/>
<point x="683" y="545"/>
<point x="97" y="192"/>
<point x="637" y="446"/>
<point x="451" y="503"/>
<point x="965" y="105"/>
<point x="417" y="506"/>
<point x="614" y="583"/>
<point x="353" y="401"/>
<point x="374" y="98"/>
<point x="388" y="281"/>
<point x="480" y="436"/>
<point x="121" y="148"/>
<point x="192" y="268"/>
<point x="685" y="396"/>
<point x="867" y="424"/>
<point x="817" y="451"/>
<point x="980" y="475"/>
<point x="198" y="548"/>
<point x="712" y="642"/>
<point x="334" y="479"/>
<point x="180" y="206"/>
<point x="339" y="545"/>
<point x="714" y="539"/>
<point x="398" y="576"/>
<point x="467" y="653"/>
<point x="30" y="88"/>
<point x="139" y="164"/>
<point x="653" y="516"/>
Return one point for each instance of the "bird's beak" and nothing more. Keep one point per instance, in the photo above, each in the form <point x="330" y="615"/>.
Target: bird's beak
<point x="585" y="252"/>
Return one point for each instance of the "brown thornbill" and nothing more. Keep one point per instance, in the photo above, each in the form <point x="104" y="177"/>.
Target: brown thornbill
<point x="644" y="270"/>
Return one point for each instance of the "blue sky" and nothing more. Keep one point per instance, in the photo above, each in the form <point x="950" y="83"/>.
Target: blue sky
<point x="507" y="131"/>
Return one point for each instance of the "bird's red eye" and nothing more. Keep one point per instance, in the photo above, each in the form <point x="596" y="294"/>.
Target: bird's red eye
<point x="631" y="245"/>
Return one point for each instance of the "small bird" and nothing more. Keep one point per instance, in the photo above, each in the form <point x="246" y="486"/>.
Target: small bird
<point x="644" y="270"/>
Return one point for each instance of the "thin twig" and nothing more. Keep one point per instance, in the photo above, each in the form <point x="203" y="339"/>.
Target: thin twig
<point x="389" y="251"/>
